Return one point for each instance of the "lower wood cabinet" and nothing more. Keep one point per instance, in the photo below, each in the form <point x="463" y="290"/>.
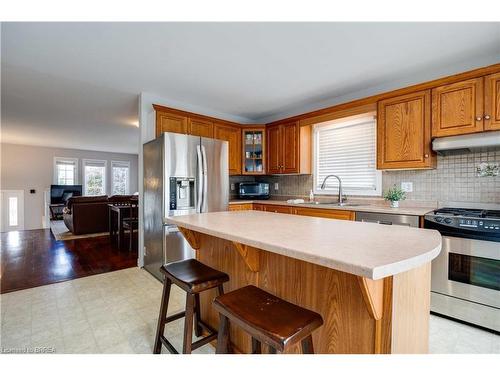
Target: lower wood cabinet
<point x="304" y="211"/>
<point x="404" y="132"/>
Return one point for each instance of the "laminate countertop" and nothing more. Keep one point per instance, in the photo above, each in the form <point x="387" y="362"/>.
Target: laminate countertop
<point x="359" y="207"/>
<point x="363" y="249"/>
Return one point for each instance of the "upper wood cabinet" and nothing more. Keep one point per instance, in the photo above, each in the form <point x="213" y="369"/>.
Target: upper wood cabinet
<point x="232" y="134"/>
<point x="288" y="148"/>
<point x="458" y="108"/>
<point x="404" y="132"/>
<point x="492" y="102"/>
<point x="274" y="145"/>
<point x="200" y="127"/>
<point x="170" y="122"/>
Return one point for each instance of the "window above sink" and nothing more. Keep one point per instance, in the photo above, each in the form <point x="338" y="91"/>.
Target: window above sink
<point x="347" y="148"/>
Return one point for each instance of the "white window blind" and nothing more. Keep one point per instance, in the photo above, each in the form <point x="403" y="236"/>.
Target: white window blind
<point x="65" y="171"/>
<point x="347" y="149"/>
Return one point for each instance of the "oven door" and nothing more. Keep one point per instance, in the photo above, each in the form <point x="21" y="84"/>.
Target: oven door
<point x="469" y="270"/>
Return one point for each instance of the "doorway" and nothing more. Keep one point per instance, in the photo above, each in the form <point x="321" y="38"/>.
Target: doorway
<point x="12" y="210"/>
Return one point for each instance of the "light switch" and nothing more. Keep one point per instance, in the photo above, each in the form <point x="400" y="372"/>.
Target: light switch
<point x="407" y="186"/>
<point x="276" y="186"/>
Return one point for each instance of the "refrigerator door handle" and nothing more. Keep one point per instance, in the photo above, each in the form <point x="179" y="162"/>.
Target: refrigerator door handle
<point x="200" y="181"/>
<point x="205" y="176"/>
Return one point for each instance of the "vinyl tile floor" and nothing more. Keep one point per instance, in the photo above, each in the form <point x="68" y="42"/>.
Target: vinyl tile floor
<point x="116" y="312"/>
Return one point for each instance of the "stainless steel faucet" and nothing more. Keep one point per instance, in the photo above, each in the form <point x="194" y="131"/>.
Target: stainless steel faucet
<point x="341" y="196"/>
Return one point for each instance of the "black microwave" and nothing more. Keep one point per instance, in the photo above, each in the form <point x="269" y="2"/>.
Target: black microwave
<point x="259" y="190"/>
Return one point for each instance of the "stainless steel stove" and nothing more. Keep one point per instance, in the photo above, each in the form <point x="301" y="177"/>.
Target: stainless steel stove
<point x="466" y="274"/>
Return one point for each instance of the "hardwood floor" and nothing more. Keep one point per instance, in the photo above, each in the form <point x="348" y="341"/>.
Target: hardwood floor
<point x="34" y="257"/>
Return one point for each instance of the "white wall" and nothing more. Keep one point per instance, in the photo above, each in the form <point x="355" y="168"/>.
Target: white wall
<point x="32" y="167"/>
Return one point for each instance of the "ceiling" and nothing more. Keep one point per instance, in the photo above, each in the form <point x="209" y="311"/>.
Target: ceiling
<point x="76" y="85"/>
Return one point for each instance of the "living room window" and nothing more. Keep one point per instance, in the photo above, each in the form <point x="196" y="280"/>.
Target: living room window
<point x="94" y="177"/>
<point x="65" y="171"/>
<point x="347" y="148"/>
<point x="120" y="177"/>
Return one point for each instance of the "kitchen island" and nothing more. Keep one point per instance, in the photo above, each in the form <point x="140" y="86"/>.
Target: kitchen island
<point x="370" y="282"/>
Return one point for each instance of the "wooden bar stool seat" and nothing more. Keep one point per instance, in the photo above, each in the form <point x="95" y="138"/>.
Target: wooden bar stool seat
<point x="267" y="318"/>
<point x="193" y="277"/>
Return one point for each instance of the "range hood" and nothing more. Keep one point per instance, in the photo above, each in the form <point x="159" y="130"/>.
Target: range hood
<point x="467" y="142"/>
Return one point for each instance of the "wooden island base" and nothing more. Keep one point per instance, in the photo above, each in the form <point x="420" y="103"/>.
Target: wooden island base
<point x="360" y="315"/>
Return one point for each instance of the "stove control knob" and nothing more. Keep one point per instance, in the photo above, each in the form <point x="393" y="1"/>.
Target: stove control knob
<point x="439" y="219"/>
<point x="447" y="220"/>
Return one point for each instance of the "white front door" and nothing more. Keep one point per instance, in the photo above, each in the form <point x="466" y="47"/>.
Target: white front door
<point x="12" y="210"/>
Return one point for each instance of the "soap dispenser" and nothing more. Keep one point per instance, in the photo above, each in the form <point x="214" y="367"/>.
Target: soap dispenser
<point x="311" y="196"/>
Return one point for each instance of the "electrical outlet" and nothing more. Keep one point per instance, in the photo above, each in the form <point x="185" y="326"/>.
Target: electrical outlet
<point x="232" y="187"/>
<point x="407" y="186"/>
<point x="276" y="186"/>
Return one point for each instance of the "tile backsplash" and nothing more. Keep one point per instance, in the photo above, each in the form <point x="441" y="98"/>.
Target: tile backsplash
<point x="455" y="179"/>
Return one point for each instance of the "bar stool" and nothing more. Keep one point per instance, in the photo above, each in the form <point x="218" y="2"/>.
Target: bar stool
<point x="193" y="277"/>
<point x="267" y="318"/>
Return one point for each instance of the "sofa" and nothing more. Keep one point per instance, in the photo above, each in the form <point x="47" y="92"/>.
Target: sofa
<point x="83" y="215"/>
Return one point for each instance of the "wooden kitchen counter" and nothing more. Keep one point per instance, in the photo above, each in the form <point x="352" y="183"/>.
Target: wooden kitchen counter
<point x="370" y="282"/>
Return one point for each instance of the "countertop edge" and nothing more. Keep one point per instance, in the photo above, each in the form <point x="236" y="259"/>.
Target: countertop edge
<point x="376" y="273"/>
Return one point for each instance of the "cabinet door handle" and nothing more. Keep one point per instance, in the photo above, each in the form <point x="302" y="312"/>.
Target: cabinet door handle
<point x="486" y="117"/>
<point x="426" y="155"/>
<point x="479" y="118"/>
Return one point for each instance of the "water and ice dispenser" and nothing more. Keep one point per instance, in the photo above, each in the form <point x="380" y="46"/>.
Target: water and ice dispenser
<point x="182" y="193"/>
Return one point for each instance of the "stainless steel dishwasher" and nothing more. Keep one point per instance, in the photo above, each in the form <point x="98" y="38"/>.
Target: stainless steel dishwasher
<point x="388" y="219"/>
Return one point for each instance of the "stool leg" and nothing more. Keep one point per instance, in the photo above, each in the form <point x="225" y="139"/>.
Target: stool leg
<point x="163" y="315"/>
<point x="198" y="329"/>
<point x="256" y="346"/>
<point x="220" y="290"/>
<point x="223" y="336"/>
<point x="188" y="324"/>
<point x="307" y="345"/>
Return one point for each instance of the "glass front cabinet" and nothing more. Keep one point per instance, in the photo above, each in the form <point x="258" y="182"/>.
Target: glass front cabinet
<point x="254" y="159"/>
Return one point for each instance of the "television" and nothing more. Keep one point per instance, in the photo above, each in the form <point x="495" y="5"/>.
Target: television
<point x="61" y="193"/>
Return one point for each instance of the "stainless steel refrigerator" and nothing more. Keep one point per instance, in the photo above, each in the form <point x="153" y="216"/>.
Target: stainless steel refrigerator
<point x="183" y="174"/>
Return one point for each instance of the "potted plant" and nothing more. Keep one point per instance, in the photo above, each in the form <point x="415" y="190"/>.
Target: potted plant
<point x="394" y="195"/>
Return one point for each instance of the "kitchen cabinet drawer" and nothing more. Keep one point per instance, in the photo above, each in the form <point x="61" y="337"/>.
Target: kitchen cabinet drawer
<point x="278" y="209"/>
<point x="404" y="132"/>
<point x="240" y="207"/>
<point x="258" y="207"/>
<point x="326" y="213"/>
